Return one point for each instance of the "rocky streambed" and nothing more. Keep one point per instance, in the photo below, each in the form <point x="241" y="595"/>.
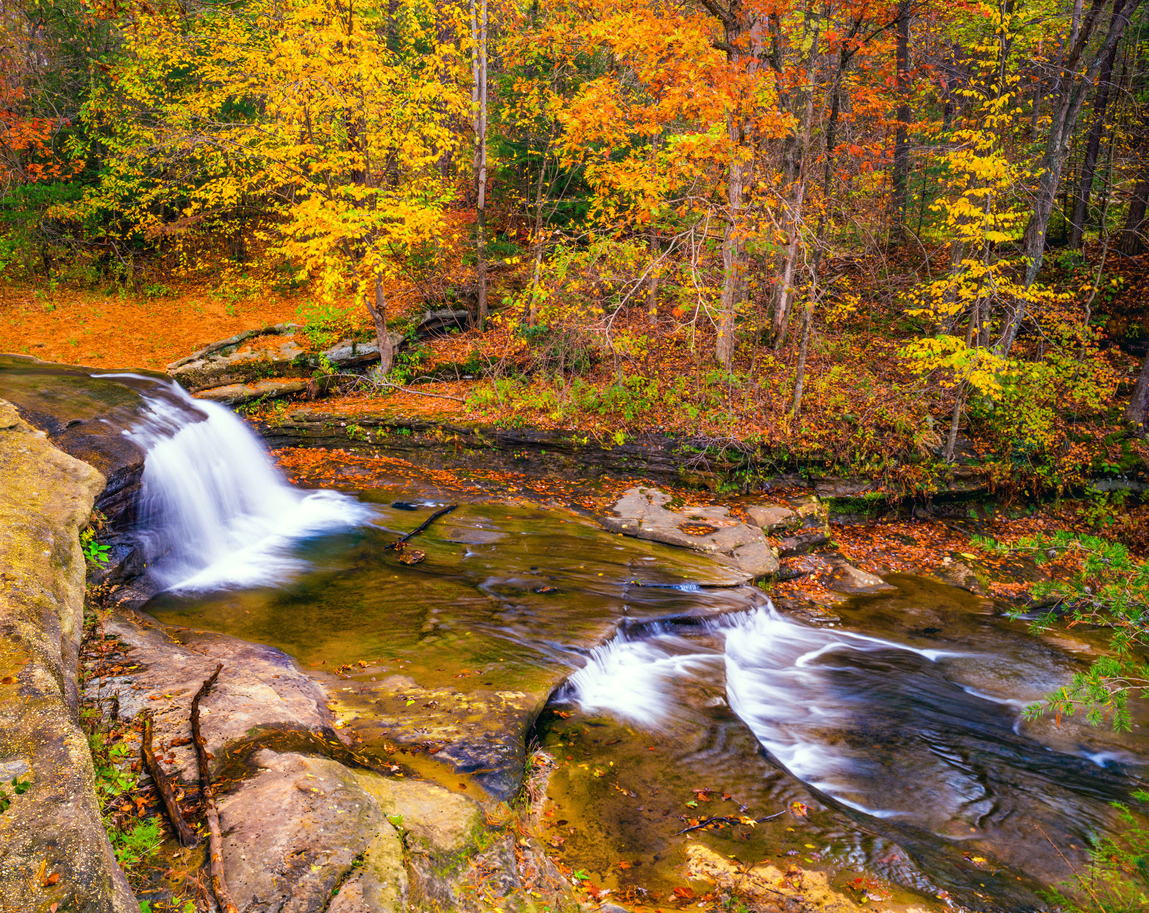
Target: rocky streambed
<point x="370" y="729"/>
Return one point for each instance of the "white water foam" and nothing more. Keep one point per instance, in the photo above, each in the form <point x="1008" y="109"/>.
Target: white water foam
<point x="214" y="512"/>
<point x="632" y="679"/>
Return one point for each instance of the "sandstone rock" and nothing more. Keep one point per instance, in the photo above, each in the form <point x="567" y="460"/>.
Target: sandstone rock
<point x="238" y="394"/>
<point x="795" y="890"/>
<point x="238" y="359"/>
<point x="54" y="828"/>
<point x="84" y="416"/>
<point x="302" y="828"/>
<point x="442" y="320"/>
<point x="957" y="573"/>
<point x="260" y="688"/>
<point x="773" y="517"/>
<point x="439" y="820"/>
<point x="757" y="559"/>
<point x="802" y="543"/>
<point x="642" y="513"/>
<point x="842" y="577"/>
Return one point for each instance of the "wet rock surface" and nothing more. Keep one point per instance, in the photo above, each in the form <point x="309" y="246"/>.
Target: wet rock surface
<point x="84" y="416"/>
<point x="55" y="847"/>
<point x="302" y="830"/>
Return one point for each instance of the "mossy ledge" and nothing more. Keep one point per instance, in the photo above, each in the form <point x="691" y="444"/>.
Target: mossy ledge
<point x="56" y="851"/>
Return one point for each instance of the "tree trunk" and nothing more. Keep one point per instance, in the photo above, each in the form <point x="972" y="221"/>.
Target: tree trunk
<point x="479" y="111"/>
<point x="901" y="171"/>
<point x="794" y="216"/>
<point x="1139" y="403"/>
<point x="738" y="28"/>
<point x="1080" y="69"/>
<point x="378" y="310"/>
<point x="652" y="287"/>
<point x="733" y="252"/>
<point x="1133" y="236"/>
<point x="1080" y="213"/>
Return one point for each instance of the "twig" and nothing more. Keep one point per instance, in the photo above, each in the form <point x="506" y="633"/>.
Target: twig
<point x="422" y="526"/>
<point x="722" y="819"/>
<point x="384" y="383"/>
<point x="184" y="832"/>
<point x="215" y="839"/>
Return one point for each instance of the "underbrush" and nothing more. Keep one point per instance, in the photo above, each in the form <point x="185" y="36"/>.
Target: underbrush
<point x="130" y="813"/>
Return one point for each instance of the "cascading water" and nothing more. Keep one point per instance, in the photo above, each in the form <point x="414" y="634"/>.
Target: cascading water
<point x="213" y="512"/>
<point x="924" y="747"/>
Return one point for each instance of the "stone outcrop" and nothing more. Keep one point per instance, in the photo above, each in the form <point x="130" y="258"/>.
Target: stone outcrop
<point x="83" y="416"/>
<point x="646" y="513"/>
<point x="55" y="847"/>
<point x="266" y="363"/>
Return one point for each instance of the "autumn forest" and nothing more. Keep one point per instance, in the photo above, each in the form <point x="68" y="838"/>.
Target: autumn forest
<point x="882" y="236"/>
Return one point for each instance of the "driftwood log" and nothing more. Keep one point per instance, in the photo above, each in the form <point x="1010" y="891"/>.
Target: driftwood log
<point x="211" y="815"/>
<point x="187" y="836"/>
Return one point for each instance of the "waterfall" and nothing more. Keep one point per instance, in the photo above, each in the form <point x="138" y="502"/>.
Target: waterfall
<point x="214" y="512"/>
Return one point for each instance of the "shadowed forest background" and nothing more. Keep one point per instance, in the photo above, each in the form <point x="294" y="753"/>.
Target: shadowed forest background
<point x="875" y="237"/>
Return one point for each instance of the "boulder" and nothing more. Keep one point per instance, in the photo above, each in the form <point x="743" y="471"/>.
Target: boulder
<point x="643" y="513"/>
<point x="802" y="543"/>
<point x="443" y="320"/>
<point x="56" y="851"/>
<point x="771" y="517"/>
<point x="260" y="689"/>
<point x="842" y="577"/>
<point x="303" y="834"/>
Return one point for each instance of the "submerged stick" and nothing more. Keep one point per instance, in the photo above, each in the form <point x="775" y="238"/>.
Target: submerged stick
<point x="398" y="543"/>
<point x="215" y="838"/>
<point x="184" y="832"/>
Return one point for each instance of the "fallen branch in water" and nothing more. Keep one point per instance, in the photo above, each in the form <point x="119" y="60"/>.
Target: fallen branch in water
<point x="215" y="838"/>
<point x="398" y="543"/>
<point x="184" y="832"/>
<point x="722" y="819"/>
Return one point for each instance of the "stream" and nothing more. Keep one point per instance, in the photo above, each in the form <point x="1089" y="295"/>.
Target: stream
<point x="677" y="705"/>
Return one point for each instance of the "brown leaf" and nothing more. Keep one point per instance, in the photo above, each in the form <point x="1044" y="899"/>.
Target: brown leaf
<point x="51" y="880"/>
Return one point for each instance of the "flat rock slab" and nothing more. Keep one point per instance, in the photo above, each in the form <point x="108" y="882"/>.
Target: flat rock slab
<point x="803" y="512"/>
<point x="238" y="359"/>
<point x="645" y="514"/>
<point x="303" y="834"/>
<point x="260" y="689"/>
<point x="481" y="733"/>
<point x="238" y="394"/>
<point x="237" y="369"/>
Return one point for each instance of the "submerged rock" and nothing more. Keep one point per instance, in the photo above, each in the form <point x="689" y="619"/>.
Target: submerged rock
<point x="769" y="887"/>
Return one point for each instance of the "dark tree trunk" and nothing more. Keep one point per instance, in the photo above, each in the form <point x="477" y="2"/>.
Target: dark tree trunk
<point x="901" y="173"/>
<point x="1133" y="241"/>
<point x="1139" y="403"/>
<point x="1080" y="68"/>
<point x="1080" y="212"/>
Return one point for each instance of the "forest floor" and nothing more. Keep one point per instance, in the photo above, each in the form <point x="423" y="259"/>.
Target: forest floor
<point x="865" y="412"/>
